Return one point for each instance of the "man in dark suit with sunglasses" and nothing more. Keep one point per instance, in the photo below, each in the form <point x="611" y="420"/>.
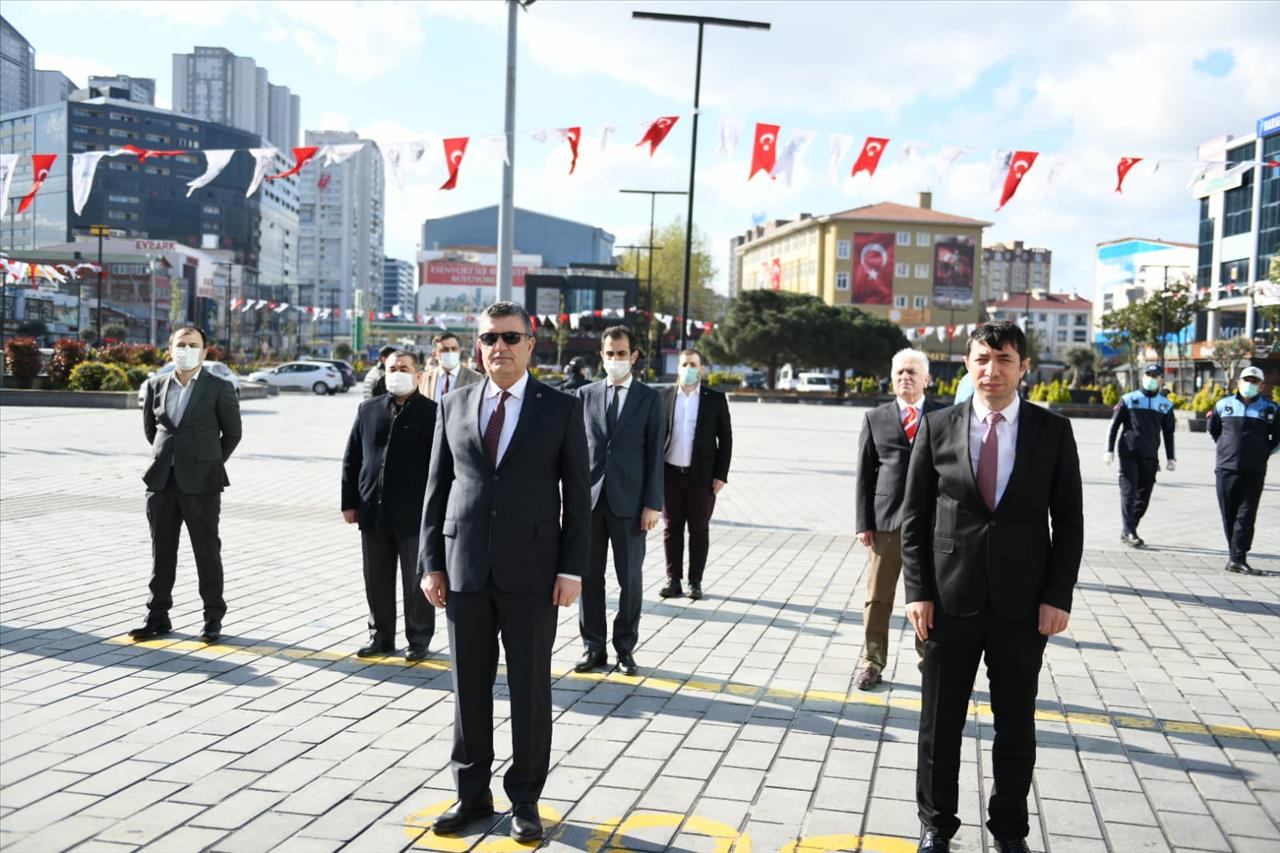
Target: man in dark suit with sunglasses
<point x="501" y="549"/>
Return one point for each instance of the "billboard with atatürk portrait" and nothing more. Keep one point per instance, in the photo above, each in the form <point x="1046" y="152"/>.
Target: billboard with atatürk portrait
<point x="953" y="261"/>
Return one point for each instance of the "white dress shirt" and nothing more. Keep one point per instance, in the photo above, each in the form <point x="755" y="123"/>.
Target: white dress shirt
<point x="176" y="398"/>
<point x="453" y="382"/>
<point x="902" y="411"/>
<point x="680" y="450"/>
<point x="621" y="389"/>
<point x="1006" y="432"/>
<point x="510" y="410"/>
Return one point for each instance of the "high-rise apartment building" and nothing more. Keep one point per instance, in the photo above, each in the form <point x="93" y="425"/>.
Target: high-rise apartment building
<point x="17" y="70"/>
<point x="397" y="286"/>
<point x="140" y="90"/>
<point x="52" y="87"/>
<point x="1009" y="268"/>
<point x="214" y="84"/>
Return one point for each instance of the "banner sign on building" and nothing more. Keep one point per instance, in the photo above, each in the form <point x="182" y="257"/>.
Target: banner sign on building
<point x="463" y="287"/>
<point x="614" y="300"/>
<point x="548" y="301"/>
<point x="873" y="274"/>
<point x="953" y="261"/>
<point x="1269" y="125"/>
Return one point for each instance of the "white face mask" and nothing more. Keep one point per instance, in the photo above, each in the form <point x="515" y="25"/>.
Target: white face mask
<point x="688" y="376"/>
<point x="1249" y="390"/>
<point x="449" y="360"/>
<point x="618" y="368"/>
<point x="399" y="383"/>
<point x="1150" y="383"/>
<point x="186" y="358"/>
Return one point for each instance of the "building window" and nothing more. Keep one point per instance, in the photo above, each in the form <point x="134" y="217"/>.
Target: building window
<point x="1062" y="336"/>
<point x="922" y="238"/>
<point x="900" y="300"/>
<point x="920" y="302"/>
<point x="922" y="270"/>
<point x="1042" y="317"/>
<point x="122" y="199"/>
<point x="842" y="281"/>
<point x="901" y="270"/>
<point x="1080" y="335"/>
<point x="212" y="209"/>
<point x="842" y="249"/>
<point x="1082" y="320"/>
<point x="904" y="238"/>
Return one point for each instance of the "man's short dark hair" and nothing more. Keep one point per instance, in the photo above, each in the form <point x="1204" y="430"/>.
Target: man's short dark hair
<point x="204" y="339"/>
<point x="444" y="336"/>
<point x="508" y="309"/>
<point x="998" y="334"/>
<point x="692" y="351"/>
<point x="404" y="353"/>
<point x="384" y="352"/>
<point x="615" y="332"/>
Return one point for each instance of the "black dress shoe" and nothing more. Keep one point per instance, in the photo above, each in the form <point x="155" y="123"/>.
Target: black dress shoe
<point x="374" y="650"/>
<point x="415" y="653"/>
<point x="526" y="823"/>
<point x="1241" y="567"/>
<point x="1133" y="540"/>
<point x="462" y="813"/>
<point x="151" y="630"/>
<point x="866" y="679"/>
<point x="212" y="632"/>
<point x="626" y="663"/>
<point x="671" y="590"/>
<point x="1012" y="845"/>
<point x="591" y="659"/>
<point x="695" y="591"/>
<point x="931" y="843"/>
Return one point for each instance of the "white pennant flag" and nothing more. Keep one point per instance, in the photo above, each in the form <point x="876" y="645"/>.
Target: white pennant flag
<point x="910" y="151"/>
<point x="538" y="136"/>
<point x="83" y="167"/>
<point x="395" y="310"/>
<point x="400" y="156"/>
<point x="947" y="157"/>
<point x="574" y="321"/>
<point x="942" y="333"/>
<point x="215" y="161"/>
<point x="492" y="148"/>
<point x="840" y="144"/>
<point x="332" y="155"/>
<point x="1000" y="159"/>
<point x="605" y="132"/>
<point x="246" y="305"/>
<point x="971" y="327"/>
<point x="8" y="165"/>
<point x="263" y="160"/>
<point x="282" y="307"/>
<point x="798" y="142"/>
<point x="1057" y="166"/>
<point x="730" y="130"/>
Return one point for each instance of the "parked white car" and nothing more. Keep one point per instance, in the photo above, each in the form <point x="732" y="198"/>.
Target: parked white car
<point x="301" y="375"/>
<point x="814" y="382"/>
<point x="217" y="368"/>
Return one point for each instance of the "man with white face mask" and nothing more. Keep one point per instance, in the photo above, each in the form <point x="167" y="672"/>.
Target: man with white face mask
<point x="1142" y="416"/>
<point x="1246" y="429"/>
<point x="384" y="481"/>
<point x="626" y="430"/>
<point x="450" y="373"/>
<point x="192" y="420"/>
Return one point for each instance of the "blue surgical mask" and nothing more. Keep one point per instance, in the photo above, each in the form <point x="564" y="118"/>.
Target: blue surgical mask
<point x="1150" y="383"/>
<point x="1249" y="390"/>
<point x="688" y="376"/>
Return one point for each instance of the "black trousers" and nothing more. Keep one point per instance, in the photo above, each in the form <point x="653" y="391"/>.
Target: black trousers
<point x="526" y="623"/>
<point x="1239" y="494"/>
<point x="382" y="549"/>
<point x="167" y="510"/>
<point x="1137" y="477"/>
<point x="686" y="504"/>
<point x="628" y="542"/>
<point x="1013" y="652"/>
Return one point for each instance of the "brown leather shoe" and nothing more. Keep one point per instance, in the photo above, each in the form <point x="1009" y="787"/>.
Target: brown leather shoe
<point x="866" y="679"/>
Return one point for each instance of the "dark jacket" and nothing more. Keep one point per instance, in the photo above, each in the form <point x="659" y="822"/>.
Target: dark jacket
<point x="712" y="436"/>
<point x="196" y="450"/>
<point x="883" y="454"/>
<point x="631" y="460"/>
<point x="1140" y="419"/>
<point x="508" y="523"/>
<point x="961" y="555"/>
<point x="574" y="382"/>
<point x="1246" y="432"/>
<point x="384" y="470"/>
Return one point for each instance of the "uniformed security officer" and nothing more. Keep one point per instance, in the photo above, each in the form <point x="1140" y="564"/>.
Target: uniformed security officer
<point x="1246" y="427"/>
<point x="1142" y="416"/>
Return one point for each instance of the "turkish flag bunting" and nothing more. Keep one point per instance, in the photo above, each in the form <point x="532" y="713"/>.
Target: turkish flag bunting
<point x="764" y="154"/>
<point x="573" y="135"/>
<point x="869" y="157"/>
<point x="300" y="158"/>
<point x="40" y="166"/>
<point x="143" y="153"/>
<point x="454" y="150"/>
<point x="1122" y="169"/>
<point x="657" y="132"/>
<point x="324" y="180"/>
<point x="1020" y="164"/>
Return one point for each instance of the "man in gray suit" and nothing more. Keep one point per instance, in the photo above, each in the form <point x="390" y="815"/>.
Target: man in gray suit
<point x="450" y="373"/>
<point x="500" y="550"/>
<point x="192" y="420"/>
<point x="626" y="432"/>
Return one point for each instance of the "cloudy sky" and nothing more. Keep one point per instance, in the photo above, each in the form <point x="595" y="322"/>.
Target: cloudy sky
<point x="1085" y="82"/>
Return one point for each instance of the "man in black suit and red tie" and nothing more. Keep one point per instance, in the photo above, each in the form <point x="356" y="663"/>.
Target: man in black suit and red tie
<point x="505" y="532"/>
<point x="992" y="535"/>
<point x="884" y="448"/>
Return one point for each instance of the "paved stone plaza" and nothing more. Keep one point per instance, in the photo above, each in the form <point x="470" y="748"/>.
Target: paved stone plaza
<point x="1159" y="711"/>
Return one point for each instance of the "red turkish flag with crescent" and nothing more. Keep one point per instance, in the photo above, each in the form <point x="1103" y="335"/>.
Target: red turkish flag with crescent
<point x="869" y="158"/>
<point x="775" y="274"/>
<point x="573" y="135"/>
<point x="300" y="158"/>
<point x="764" y="154"/>
<point x="1019" y="165"/>
<point x="454" y="150"/>
<point x="657" y="132"/>
<point x="40" y="166"/>
<point x="1122" y="169"/>
<point x="873" y="268"/>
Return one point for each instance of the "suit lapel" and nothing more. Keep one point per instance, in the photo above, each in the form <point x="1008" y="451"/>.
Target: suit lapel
<point x="703" y="396"/>
<point x="669" y="400"/>
<point x="530" y="407"/>
<point x="201" y="387"/>
<point x="964" y="434"/>
<point x="1024" y="442"/>
<point x="162" y="394"/>
<point x="474" y="410"/>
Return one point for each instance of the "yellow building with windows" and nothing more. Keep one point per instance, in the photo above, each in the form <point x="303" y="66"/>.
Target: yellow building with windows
<point x="915" y="266"/>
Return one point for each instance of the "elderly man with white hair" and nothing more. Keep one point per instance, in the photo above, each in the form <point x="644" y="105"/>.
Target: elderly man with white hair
<point x="884" y="450"/>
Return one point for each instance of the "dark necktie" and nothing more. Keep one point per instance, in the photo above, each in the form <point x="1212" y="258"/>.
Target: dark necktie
<point x="446" y="385"/>
<point x="493" y="431"/>
<point x="911" y="423"/>
<point x="989" y="461"/>
<point x="611" y="416"/>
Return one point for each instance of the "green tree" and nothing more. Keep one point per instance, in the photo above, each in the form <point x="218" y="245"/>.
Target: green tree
<point x="1228" y="353"/>
<point x="1035" y="347"/>
<point x="1081" y="359"/>
<point x="762" y="328"/>
<point x="668" y="274"/>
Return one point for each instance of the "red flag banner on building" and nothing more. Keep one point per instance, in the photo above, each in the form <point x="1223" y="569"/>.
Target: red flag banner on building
<point x="764" y="153"/>
<point x="454" y="150"/>
<point x="869" y="158"/>
<point x="324" y="180"/>
<point x="775" y="274"/>
<point x="40" y="166"/>
<point x="300" y="158"/>
<point x="573" y="135"/>
<point x="657" y="132"/>
<point x="1122" y="169"/>
<point x="143" y="153"/>
<point x="873" y="273"/>
<point x="1019" y="165"/>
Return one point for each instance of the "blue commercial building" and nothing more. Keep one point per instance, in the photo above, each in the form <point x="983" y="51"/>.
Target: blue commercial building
<point x="560" y="242"/>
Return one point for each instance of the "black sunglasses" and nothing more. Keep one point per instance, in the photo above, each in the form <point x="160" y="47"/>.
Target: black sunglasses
<point x="508" y="338"/>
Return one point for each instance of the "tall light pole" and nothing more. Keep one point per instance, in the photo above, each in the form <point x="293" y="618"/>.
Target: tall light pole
<point x="702" y="21"/>
<point x="98" y="231"/>
<point x="506" y="211"/>
<point x="648" y="323"/>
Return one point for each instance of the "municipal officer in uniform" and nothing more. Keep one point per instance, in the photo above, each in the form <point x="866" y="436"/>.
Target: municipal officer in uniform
<point x="1142" y="416"/>
<point x="1246" y="428"/>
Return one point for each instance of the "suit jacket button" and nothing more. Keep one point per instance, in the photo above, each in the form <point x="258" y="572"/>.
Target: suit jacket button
<point x="495" y="478"/>
<point x="493" y="513"/>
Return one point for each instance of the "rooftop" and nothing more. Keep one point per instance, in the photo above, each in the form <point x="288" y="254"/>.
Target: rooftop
<point x="888" y="211"/>
<point x="1044" y="302"/>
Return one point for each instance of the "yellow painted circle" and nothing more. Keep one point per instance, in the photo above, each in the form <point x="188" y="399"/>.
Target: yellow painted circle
<point x="727" y="838"/>
<point x="863" y="843"/>
<point x="420" y="820"/>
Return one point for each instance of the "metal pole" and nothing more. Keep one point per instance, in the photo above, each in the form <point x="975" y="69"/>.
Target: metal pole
<point x="688" y="228"/>
<point x="653" y="194"/>
<point x="151" y="333"/>
<point x="506" y="212"/>
<point x="230" y="269"/>
<point x="1164" y="284"/>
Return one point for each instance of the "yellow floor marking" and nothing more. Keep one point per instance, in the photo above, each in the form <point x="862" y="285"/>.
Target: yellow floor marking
<point x="863" y="843"/>
<point x="728" y="839"/>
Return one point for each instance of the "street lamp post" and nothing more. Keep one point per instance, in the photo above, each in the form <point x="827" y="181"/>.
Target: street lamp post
<point x="702" y="21"/>
<point x="99" y="231"/>
<point x="648" y="323"/>
<point x="506" y="210"/>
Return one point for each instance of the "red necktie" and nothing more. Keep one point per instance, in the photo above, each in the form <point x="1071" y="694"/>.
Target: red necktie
<point x="989" y="460"/>
<point x="493" y="431"/>
<point x="910" y="423"/>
